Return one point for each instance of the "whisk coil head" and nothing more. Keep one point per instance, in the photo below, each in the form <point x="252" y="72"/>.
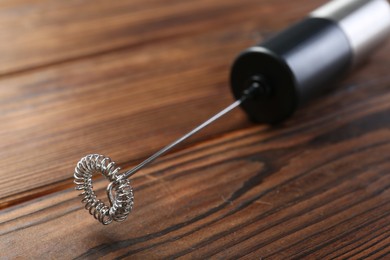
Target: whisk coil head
<point x="120" y="193"/>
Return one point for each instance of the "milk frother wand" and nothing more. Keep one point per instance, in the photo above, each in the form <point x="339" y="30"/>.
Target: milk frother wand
<point x="269" y="81"/>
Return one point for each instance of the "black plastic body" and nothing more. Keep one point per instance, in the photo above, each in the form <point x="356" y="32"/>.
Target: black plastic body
<point x="296" y="65"/>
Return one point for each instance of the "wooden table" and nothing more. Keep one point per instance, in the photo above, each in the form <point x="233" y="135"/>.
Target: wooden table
<point x="124" y="78"/>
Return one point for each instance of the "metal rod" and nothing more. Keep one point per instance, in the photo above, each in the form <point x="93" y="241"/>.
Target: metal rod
<point x="184" y="137"/>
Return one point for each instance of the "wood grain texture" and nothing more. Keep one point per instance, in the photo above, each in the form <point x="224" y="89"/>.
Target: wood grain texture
<point x="123" y="78"/>
<point x="57" y="31"/>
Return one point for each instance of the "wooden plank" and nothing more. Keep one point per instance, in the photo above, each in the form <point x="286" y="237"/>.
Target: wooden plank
<point x="110" y="103"/>
<point x="75" y="80"/>
<point x="40" y="33"/>
<point x="315" y="189"/>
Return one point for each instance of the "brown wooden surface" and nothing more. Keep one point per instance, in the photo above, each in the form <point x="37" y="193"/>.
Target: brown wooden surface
<point x="124" y="78"/>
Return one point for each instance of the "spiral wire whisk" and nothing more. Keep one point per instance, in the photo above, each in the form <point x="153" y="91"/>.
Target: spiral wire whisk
<point x="120" y="193"/>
